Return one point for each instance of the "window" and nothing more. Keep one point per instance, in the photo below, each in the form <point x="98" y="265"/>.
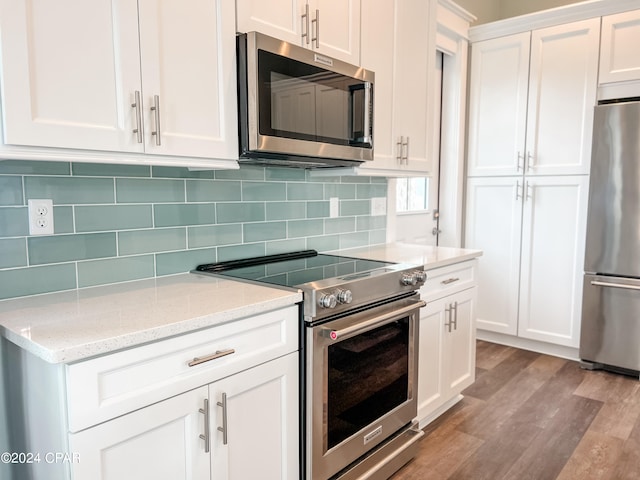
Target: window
<point x="412" y="194"/>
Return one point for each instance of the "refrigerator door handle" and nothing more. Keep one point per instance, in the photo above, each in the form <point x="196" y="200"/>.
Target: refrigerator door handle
<point x="597" y="283"/>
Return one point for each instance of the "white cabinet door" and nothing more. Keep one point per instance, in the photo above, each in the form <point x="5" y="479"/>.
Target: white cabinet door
<point x="413" y="83"/>
<point x="188" y="67"/>
<point x="459" y="341"/>
<point x="447" y="349"/>
<point x="562" y="93"/>
<point x="161" y="441"/>
<point x="331" y="27"/>
<point x="619" y="54"/>
<point x="553" y="236"/>
<point x="336" y="25"/>
<point x="277" y="18"/>
<point x="531" y="103"/>
<point x="261" y="410"/>
<point x="493" y="222"/>
<point x="69" y="72"/>
<point x="497" y="105"/>
<point x="399" y="46"/>
<point x="430" y="358"/>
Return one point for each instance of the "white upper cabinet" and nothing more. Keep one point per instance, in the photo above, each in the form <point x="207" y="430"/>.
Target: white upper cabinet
<point x="398" y="44"/>
<point x="497" y="112"/>
<point x="619" y="55"/>
<point x="331" y="27"/>
<point x="120" y="76"/>
<point x="69" y="73"/>
<point x="531" y="106"/>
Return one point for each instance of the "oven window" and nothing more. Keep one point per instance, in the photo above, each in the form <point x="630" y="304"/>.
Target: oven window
<point x="368" y="376"/>
<point x="306" y="102"/>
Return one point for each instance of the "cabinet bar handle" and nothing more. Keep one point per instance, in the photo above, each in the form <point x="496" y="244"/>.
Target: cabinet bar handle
<point x="137" y="106"/>
<point x="223" y="428"/>
<point x="206" y="437"/>
<point x="213" y="356"/>
<point x="449" y="280"/>
<point x="156" y="109"/>
<point x="305" y="20"/>
<point x="529" y="193"/>
<point x="454" y="307"/>
<point x="596" y="283"/>
<point x="399" y="144"/>
<point x="530" y="164"/>
<point x="317" y="22"/>
<point x="448" y="311"/>
<point x="517" y="189"/>
<point x="520" y="157"/>
<point x="406" y="152"/>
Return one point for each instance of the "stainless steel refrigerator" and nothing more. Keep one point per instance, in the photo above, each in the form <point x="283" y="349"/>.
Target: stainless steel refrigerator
<point x="610" y="334"/>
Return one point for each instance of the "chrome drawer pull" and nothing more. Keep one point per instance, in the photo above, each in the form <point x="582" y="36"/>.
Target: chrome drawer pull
<point x="449" y="280"/>
<point x="208" y="358"/>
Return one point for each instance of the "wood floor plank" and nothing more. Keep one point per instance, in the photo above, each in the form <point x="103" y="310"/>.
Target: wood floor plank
<point x="595" y="458"/>
<point x="531" y="416"/>
<point x="549" y="452"/>
<point x="497" y="377"/>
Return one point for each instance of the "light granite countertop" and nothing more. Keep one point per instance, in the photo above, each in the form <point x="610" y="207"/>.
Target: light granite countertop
<point x="68" y="326"/>
<point x="429" y="257"/>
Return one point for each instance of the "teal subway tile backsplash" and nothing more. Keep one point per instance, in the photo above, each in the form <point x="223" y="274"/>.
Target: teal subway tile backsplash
<point x="11" y="190"/>
<point x="14" y="222"/>
<point x="172" y="215"/>
<point x="115" y="270"/>
<point x="135" y="190"/>
<point x="96" y="218"/>
<point x="19" y="282"/>
<point x="134" y="242"/>
<point x="116" y="223"/>
<point x="13" y="252"/>
<point x="70" y="190"/>
<point x="66" y="248"/>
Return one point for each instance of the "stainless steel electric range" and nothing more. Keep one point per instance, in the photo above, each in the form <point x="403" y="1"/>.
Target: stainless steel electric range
<point x="359" y="354"/>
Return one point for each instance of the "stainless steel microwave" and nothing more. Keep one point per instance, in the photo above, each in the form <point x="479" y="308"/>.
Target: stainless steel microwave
<point x="300" y="108"/>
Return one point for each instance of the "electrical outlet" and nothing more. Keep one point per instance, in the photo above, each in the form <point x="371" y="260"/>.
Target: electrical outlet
<point x="40" y="217"/>
<point x="378" y="206"/>
<point x="334" y="207"/>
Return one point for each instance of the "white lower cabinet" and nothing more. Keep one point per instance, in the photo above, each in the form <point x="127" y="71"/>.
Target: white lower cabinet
<point x="160" y="442"/>
<point x="531" y="231"/>
<point x="252" y="432"/>
<point x="447" y="340"/>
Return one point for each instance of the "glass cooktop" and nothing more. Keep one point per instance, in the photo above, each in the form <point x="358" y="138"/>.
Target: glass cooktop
<point x="293" y="269"/>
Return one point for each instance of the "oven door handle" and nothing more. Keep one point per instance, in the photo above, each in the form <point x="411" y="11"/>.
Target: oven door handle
<point x="373" y="322"/>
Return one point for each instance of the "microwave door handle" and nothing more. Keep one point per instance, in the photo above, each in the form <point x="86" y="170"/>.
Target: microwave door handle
<point x="368" y="113"/>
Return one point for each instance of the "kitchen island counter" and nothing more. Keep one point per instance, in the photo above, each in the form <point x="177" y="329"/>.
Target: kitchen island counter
<point x="74" y="325"/>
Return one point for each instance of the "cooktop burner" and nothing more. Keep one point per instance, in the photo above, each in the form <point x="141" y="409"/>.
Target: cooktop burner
<point x="331" y="284"/>
<point x="297" y="271"/>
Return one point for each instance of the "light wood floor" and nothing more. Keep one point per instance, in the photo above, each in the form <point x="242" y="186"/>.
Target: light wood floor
<point x="532" y="416"/>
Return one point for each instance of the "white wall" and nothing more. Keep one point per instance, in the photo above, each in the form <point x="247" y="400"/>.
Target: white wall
<point x="491" y="10"/>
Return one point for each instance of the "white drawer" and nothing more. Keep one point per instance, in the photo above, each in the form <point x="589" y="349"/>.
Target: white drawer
<point x="106" y="387"/>
<point x="444" y="281"/>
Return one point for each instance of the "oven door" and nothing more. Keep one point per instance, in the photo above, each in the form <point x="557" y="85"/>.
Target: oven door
<point x="362" y="382"/>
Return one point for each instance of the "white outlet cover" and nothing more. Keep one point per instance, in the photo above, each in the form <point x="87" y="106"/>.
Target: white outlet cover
<point x="378" y="206"/>
<point x="334" y="207"/>
<point x="40" y="216"/>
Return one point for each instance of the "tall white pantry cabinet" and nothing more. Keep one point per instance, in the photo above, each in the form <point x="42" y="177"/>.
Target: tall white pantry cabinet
<point x="530" y="121"/>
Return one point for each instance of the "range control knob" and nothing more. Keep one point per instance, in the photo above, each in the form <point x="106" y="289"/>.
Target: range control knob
<point x="327" y="300"/>
<point x="408" y="279"/>
<point x="421" y="276"/>
<point x="344" y="296"/>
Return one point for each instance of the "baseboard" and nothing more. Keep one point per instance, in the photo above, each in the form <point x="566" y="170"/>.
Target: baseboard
<point x="570" y="353"/>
